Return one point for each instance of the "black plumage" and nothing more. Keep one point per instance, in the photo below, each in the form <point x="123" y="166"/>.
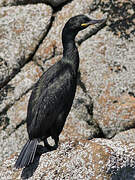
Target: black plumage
<point x="53" y="94"/>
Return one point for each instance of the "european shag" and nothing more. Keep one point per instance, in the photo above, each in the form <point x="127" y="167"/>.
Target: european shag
<point x="53" y="94"/>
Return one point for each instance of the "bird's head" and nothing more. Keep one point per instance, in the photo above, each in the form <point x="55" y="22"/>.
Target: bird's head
<point x="80" y="22"/>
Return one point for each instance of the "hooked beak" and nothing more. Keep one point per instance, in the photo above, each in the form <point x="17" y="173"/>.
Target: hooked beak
<point x="93" y="22"/>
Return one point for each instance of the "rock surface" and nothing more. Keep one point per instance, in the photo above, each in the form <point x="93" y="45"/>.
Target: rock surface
<point x="53" y="3"/>
<point x="81" y="159"/>
<point x="104" y="105"/>
<point x="22" y="29"/>
<point x="108" y="70"/>
<point x="19" y="85"/>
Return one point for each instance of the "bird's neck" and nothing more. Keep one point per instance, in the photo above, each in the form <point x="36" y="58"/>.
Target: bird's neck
<point x="70" y="52"/>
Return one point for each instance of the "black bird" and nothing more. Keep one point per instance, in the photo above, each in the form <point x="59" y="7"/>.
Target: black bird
<point x="53" y="94"/>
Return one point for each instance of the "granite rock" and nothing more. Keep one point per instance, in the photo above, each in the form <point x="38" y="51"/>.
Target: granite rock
<point x="53" y="3"/>
<point x="107" y="70"/>
<point x="19" y="85"/>
<point x="83" y="159"/>
<point x="21" y="30"/>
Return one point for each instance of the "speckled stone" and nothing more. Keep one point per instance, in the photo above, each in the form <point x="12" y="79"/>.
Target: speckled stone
<point x="10" y="134"/>
<point x="12" y="140"/>
<point x="83" y="159"/>
<point x="108" y="71"/>
<point x="120" y="16"/>
<point x="21" y="30"/>
<point x="53" y="3"/>
<point x="19" y="85"/>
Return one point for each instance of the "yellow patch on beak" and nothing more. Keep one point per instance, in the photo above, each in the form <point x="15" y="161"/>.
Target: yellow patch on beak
<point x="84" y="24"/>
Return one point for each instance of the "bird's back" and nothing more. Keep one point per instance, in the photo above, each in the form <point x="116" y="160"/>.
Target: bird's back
<point x="51" y="97"/>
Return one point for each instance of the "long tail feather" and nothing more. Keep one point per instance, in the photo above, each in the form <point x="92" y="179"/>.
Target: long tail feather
<point x="27" y="154"/>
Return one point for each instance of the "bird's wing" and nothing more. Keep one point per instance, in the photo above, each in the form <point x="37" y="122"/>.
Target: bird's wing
<point x="44" y="81"/>
<point x="56" y="96"/>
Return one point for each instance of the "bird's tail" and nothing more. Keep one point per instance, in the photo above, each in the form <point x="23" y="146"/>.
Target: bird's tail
<point x="27" y="154"/>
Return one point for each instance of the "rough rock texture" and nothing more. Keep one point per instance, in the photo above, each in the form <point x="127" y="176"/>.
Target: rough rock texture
<point x="11" y="140"/>
<point x="19" y="85"/>
<point x="104" y="105"/>
<point x="53" y="3"/>
<point x="83" y="159"/>
<point x="21" y="30"/>
<point x="121" y="16"/>
<point x="108" y="70"/>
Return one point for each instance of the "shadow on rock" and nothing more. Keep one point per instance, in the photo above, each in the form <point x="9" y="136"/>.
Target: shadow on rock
<point x="121" y="16"/>
<point x="125" y="173"/>
<point x="29" y="170"/>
